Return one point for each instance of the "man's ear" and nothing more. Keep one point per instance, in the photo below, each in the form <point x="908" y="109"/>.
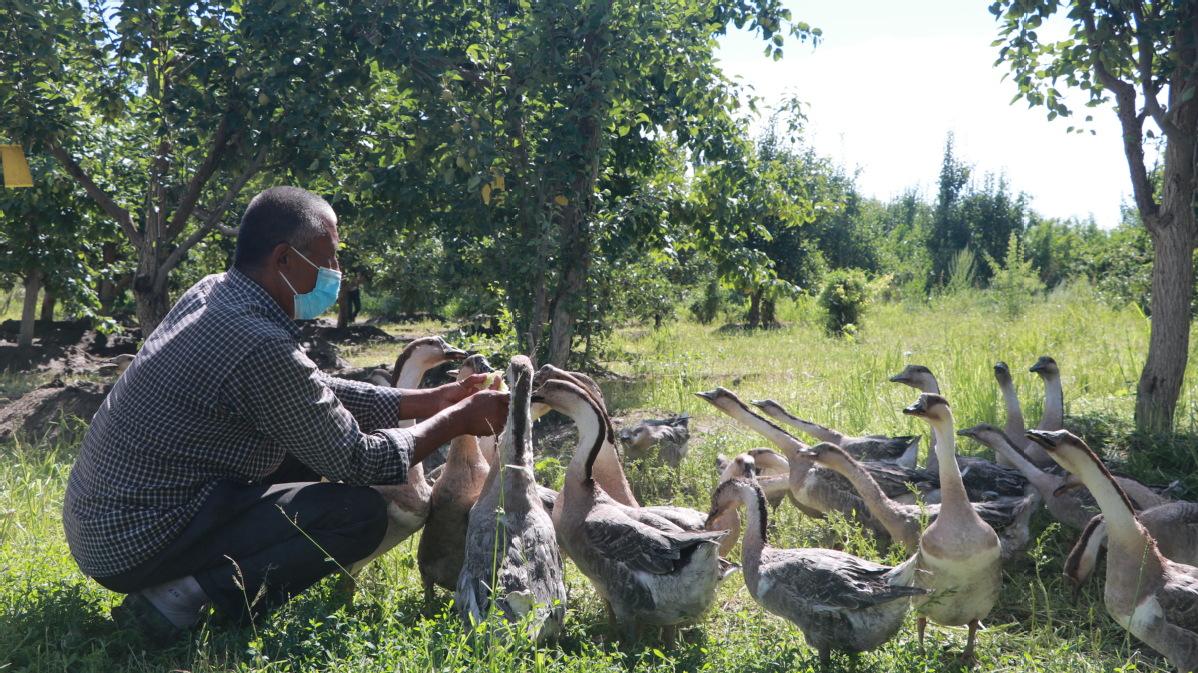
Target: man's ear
<point x="281" y="254"/>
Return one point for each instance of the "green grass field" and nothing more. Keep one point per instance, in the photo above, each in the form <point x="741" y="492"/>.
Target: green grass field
<point x="54" y="619"/>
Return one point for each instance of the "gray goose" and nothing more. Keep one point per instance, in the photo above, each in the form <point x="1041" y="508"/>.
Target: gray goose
<point x="670" y="436"/>
<point x="839" y="601"/>
<point x="650" y="573"/>
<point x="1153" y="598"/>
<point x="512" y="564"/>
<point x="902" y="449"/>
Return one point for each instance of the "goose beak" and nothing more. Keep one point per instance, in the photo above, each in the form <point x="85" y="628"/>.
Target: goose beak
<point x="899" y="378"/>
<point x="708" y="395"/>
<point x="1040" y="366"/>
<point x="452" y="353"/>
<point x="917" y="409"/>
<point x="971" y="433"/>
<point x="453" y="373"/>
<point x="807" y="453"/>
<point x="764" y="404"/>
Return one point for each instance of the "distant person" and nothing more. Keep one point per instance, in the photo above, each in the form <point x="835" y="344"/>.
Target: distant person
<point x="353" y="295"/>
<point x="198" y="482"/>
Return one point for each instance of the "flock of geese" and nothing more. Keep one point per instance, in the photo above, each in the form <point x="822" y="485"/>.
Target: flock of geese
<point x="497" y="539"/>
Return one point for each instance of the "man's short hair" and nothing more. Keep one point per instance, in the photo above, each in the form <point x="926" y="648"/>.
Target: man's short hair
<point x="279" y="215"/>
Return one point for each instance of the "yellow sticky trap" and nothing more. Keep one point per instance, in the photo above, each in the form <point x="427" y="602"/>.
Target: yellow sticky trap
<point x="16" y="169"/>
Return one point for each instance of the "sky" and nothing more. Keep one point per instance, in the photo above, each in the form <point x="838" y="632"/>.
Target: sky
<point x="890" y="79"/>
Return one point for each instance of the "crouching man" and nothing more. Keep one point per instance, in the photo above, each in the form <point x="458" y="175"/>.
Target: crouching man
<point x="197" y="483"/>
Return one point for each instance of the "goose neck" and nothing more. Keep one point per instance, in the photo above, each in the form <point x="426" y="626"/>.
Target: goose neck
<point x="1043" y="482"/>
<point x="591" y="435"/>
<point x="952" y="488"/>
<point x="1054" y="403"/>
<point x="1122" y="528"/>
<point x="879" y="504"/>
<point x="1014" y="425"/>
<point x="756" y="521"/>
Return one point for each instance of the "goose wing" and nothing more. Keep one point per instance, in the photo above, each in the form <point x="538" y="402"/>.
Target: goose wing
<point x="897" y="480"/>
<point x="827" y="580"/>
<point x="639" y="547"/>
<point x="877" y="447"/>
<point x="986" y="480"/>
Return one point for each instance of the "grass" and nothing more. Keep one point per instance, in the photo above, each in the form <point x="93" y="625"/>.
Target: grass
<point x="52" y="618"/>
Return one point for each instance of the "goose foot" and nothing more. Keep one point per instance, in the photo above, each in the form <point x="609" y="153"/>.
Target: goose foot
<point x="669" y="635"/>
<point x="922" y="625"/>
<point x="968" y="656"/>
<point x="430" y="594"/>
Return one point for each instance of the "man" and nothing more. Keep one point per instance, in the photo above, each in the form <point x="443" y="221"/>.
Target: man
<point x="177" y="497"/>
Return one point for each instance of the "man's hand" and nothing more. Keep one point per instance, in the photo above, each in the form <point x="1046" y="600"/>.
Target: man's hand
<point x="426" y="402"/>
<point x="456" y="392"/>
<point x="482" y="413"/>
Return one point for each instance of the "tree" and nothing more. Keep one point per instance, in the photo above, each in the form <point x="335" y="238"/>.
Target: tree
<point x="554" y="113"/>
<point x="1144" y="55"/>
<point x="949" y="233"/>
<point x="163" y="112"/>
<point x="50" y="239"/>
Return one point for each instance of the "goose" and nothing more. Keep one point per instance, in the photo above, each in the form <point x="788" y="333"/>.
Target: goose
<point x="1174" y="525"/>
<point x="983" y="479"/>
<point x="775" y="487"/>
<point x="443" y="542"/>
<point x="608" y="472"/>
<point x="814" y="489"/>
<point x="1053" y="417"/>
<point x="116" y="365"/>
<point x="407" y="503"/>
<point x="512" y="563"/>
<point x="960" y="552"/>
<point x="1014" y="427"/>
<point x="902" y="450"/>
<point x="380" y="377"/>
<point x="773" y="472"/>
<point x="1009" y="517"/>
<point x="650" y="573"/>
<point x="670" y="435"/>
<point x="1153" y="598"/>
<point x="607" y="469"/>
<point x="839" y="601"/>
<point x="1072" y="506"/>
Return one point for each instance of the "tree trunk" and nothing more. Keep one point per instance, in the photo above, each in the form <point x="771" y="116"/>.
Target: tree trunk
<point x="48" y="302"/>
<point x="753" y="319"/>
<point x="1169" y="343"/>
<point x="33" y="283"/>
<point x="769" y="308"/>
<point x="561" y="329"/>
<point x="150" y="290"/>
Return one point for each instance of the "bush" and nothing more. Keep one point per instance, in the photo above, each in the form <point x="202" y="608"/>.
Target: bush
<point x="844" y="297"/>
<point x="1014" y="282"/>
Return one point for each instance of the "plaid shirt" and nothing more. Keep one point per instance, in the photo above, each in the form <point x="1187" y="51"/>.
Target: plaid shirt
<point x="220" y="391"/>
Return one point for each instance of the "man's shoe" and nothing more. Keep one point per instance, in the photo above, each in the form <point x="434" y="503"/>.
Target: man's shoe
<point x="137" y="613"/>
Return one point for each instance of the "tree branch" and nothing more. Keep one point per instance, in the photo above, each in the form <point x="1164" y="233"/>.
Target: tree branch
<point x="213" y="216"/>
<point x="191" y="196"/>
<point x="1149" y="88"/>
<point x="1132" y="123"/>
<point x="102" y="198"/>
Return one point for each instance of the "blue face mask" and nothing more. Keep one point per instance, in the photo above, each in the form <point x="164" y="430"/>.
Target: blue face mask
<point x="311" y="304"/>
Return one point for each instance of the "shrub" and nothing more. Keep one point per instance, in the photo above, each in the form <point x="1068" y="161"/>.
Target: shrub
<point x="844" y="297"/>
<point x="1014" y="282"/>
